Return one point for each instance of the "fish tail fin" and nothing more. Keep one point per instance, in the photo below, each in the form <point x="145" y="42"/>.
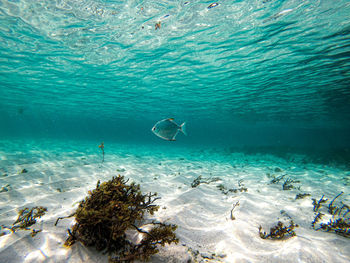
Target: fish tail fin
<point x="183" y="128"/>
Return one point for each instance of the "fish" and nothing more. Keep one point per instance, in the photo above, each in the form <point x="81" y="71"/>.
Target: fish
<point x="212" y="5"/>
<point x="167" y="129"/>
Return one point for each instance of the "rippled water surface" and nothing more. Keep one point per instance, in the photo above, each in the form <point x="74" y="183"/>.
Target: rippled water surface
<point x="264" y="89"/>
<point x="230" y="62"/>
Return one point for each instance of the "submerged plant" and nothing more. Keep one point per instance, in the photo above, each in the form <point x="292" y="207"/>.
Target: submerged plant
<point x="111" y="209"/>
<point x="157" y="25"/>
<point x="26" y="218"/>
<point x="339" y="223"/>
<point x="225" y="191"/>
<point x="234" y="206"/>
<point x="279" y="231"/>
<point x="301" y="196"/>
<point x="102" y="147"/>
<point x="317" y="204"/>
<point x="199" y="180"/>
<point x="340" y="226"/>
<point x="288" y="184"/>
<point x="317" y="218"/>
<point x="332" y="208"/>
<point x="276" y="180"/>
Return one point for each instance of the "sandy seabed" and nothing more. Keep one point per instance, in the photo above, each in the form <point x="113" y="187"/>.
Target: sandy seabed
<point x="59" y="175"/>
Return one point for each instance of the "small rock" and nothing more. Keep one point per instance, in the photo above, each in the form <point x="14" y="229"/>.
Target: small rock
<point x="121" y="170"/>
<point x="24" y="171"/>
<point x="4" y="175"/>
<point x="5" y="188"/>
<point x="207" y="255"/>
<point x="278" y="170"/>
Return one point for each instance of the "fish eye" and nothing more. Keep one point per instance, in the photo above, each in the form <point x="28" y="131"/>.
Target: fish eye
<point x="154" y="128"/>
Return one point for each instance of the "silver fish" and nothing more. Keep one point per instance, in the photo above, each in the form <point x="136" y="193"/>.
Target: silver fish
<point x="167" y="129"/>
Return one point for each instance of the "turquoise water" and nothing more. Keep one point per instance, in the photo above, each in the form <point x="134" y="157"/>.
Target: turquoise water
<point x="264" y="89"/>
<point x="243" y="73"/>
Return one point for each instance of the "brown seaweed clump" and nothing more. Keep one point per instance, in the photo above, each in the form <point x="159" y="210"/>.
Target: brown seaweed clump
<point x="279" y="231"/>
<point x="26" y="218"/>
<point x="111" y="209"/>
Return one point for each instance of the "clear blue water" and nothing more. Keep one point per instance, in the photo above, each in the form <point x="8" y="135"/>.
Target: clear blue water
<point x="247" y="76"/>
<point x="244" y="73"/>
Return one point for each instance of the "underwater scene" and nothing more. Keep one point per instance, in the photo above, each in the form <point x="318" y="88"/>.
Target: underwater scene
<point x="175" y="131"/>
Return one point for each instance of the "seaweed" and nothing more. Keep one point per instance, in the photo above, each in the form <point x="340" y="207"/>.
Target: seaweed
<point x="26" y="218"/>
<point x="288" y="184"/>
<point x="301" y="196"/>
<point x="338" y="223"/>
<point x="317" y="204"/>
<point x="234" y="206"/>
<point x="341" y="209"/>
<point x="102" y="147"/>
<point x="225" y="191"/>
<point x="196" y="182"/>
<point x="280" y="231"/>
<point x="316" y="219"/>
<point x="199" y="180"/>
<point x="340" y="226"/>
<point x="157" y="25"/>
<point x="331" y="208"/>
<point x="222" y="188"/>
<point x="35" y="232"/>
<point x="111" y="209"/>
<point x="276" y="180"/>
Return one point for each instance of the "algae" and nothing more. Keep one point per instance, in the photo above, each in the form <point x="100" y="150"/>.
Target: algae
<point x="301" y="196"/>
<point x="241" y="188"/>
<point x="26" y="218"/>
<point x="280" y="231"/>
<point x="276" y="180"/>
<point x="200" y="180"/>
<point x="234" y="206"/>
<point x="317" y="204"/>
<point x="338" y="223"/>
<point x="288" y="184"/>
<point x="111" y="209"/>
<point x="102" y="147"/>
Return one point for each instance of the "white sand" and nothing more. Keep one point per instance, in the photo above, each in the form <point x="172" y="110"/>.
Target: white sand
<point x="60" y="174"/>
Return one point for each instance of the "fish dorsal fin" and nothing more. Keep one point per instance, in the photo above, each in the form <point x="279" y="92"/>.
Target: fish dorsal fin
<point x="170" y="119"/>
